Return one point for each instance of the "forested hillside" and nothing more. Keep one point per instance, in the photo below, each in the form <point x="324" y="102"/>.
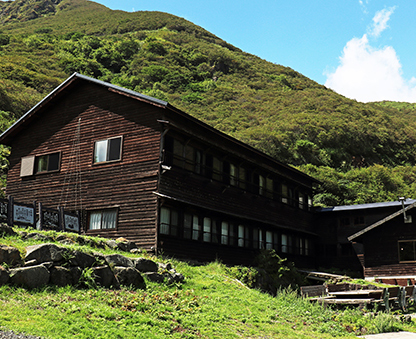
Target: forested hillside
<point x="361" y="152"/>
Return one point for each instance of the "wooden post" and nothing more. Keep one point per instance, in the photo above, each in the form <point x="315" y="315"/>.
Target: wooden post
<point x="10" y="211"/>
<point x="40" y="216"/>
<point x="34" y="214"/>
<point x="61" y="218"/>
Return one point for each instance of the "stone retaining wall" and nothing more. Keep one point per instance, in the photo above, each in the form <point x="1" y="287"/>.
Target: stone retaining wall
<point x="49" y="263"/>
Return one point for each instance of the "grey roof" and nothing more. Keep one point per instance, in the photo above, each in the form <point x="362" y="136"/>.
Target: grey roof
<point x="366" y="206"/>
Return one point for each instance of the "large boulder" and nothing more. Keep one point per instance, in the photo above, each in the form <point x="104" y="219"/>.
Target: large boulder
<point x="118" y="260"/>
<point x="104" y="277"/>
<point x="129" y="276"/>
<point x="30" y="277"/>
<point x="145" y="265"/>
<point x="81" y="259"/>
<point x="46" y="252"/>
<point x="63" y="276"/>
<point x="4" y="276"/>
<point x="10" y="255"/>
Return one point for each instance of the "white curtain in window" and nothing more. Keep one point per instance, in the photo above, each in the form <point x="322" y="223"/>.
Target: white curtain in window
<point x="224" y="233"/>
<point x="95" y="220"/>
<point x="109" y="219"/>
<point x="207" y="229"/>
<point x="100" y="152"/>
<point x="269" y="240"/>
<point x="240" y="235"/>
<point x="164" y="220"/>
<point x="195" y="228"/>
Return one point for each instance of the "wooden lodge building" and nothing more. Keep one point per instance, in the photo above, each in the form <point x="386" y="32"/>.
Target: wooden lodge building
<point x="141" y="169"/>
<point x="138" y="168"/>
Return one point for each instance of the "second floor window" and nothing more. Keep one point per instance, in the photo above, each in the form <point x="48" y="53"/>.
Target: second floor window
<point x="107" y="150"/>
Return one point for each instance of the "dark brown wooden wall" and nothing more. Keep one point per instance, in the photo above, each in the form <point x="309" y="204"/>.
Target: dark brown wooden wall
<point x="202" y="192"/>
<point x="128" y="184"/>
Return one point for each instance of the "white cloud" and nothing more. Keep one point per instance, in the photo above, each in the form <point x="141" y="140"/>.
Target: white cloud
<point x="380" y="21"/>
<point x="366" y="73"/>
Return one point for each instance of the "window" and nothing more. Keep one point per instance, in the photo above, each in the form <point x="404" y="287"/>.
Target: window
<point x="107" y="150"/>
<point x="224" y="233"/>
<point x="233" y="175"/>
<point x="187" y="226"/>
<point x="216" y="169"/>
<point x="269" y="240"/>
<point x="242" y="178"/>
<point x="284" y="244"/>
<point x="407" y="251"/>
<point x="40" y="164"/>
<point x="269" y="188"/>
<point x="168" y="221"/>
<point x="207" y="229"/>
<point x="103" y="219"/>
<point x="196" y="229"/>
<point x="242" y="236"/>
<point x="285" y="194"/>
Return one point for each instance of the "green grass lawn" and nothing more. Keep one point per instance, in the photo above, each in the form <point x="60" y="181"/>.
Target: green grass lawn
<point x="211" y="303"/>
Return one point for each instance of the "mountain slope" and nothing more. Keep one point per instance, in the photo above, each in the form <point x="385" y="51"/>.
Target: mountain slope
<point x="269" y="106"/>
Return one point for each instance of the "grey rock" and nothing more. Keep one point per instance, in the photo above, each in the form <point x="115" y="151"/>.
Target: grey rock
<point x="118" y="260"/>
<point x="9" y="255"/>
<point x="82" y="259"/>
<point x="145" y="265"/>
<point x="45" y="252"/>
<point x="105" y="277"/>
<point x="30" y="277"/>
<point x="111" y="243"/>
<point x="129" y="276"/>
<point x="4" y="276"/>
<point x="63" y="276"/>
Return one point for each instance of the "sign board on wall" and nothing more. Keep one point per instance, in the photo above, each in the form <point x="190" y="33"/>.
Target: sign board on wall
<point x="50" y="218"/>
<point x="71" y="222"/>
<point x="23" y="214"/>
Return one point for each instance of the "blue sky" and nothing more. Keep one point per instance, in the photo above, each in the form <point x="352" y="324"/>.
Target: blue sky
<point x="363" y="49"/>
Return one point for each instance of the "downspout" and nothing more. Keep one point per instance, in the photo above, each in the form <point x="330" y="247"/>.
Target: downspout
<point x="159" y="174"/>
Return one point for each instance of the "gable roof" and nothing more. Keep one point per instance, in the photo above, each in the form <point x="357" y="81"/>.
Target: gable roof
<point x="380" y="222"/>
<point x="8" y="134"/>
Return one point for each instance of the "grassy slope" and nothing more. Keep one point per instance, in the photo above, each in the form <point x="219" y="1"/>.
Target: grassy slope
<point x="210" y="304"/>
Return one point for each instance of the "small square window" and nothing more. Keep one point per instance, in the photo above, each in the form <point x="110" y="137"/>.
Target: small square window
<point x="107" y="150"/>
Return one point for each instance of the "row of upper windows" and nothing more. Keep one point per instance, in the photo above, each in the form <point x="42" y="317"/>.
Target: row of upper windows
<point x="352" y="221"/>
<point x="104" y="151"/>
<point x="245" y="177"/>
<point x="192" y="226"/>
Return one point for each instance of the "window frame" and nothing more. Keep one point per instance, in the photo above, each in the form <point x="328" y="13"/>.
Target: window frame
<point x="413" y="242"/>
<point x="102" y="210"/>
<point x="108" y="150"/>
<point x="29" y="165"/>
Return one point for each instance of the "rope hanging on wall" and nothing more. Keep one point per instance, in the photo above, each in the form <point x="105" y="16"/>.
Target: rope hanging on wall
<point x="71" y="190"/>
